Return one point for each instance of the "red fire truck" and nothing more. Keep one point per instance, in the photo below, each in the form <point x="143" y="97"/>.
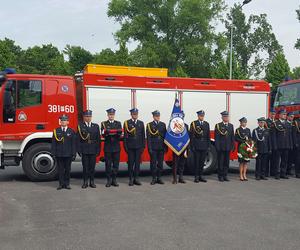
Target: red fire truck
<point x="288" y="97"/>
<point x="31" y="105"/>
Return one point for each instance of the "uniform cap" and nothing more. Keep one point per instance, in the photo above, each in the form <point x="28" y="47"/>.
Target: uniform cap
<point x="111" y="111"/>
<point x="224" y="113"/>
<point x="261" y="119"/>
<point x="88" y="113"/>
<point x="64" y="118"/>
<point x="290" y="113"/>
<point x="272" y="110"/>
<point x="243" y="119"/>
<point x="200" y="112"/>
<point x="134" y="110"/>
<point x="283" y="111"/>
<point x="156" y="113"/>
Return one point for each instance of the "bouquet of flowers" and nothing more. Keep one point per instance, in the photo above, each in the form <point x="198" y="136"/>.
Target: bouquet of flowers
<point x="247" y="150"/>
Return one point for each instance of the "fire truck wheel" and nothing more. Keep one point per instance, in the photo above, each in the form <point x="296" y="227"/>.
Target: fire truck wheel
<point x="38" y="163"/>
<point x="210" y="162"/>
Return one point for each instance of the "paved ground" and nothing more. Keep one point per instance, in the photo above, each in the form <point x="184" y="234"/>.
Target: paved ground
<point x="234" y="215"/>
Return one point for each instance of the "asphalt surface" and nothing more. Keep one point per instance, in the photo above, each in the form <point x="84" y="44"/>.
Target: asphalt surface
<point x="233" y="215"/>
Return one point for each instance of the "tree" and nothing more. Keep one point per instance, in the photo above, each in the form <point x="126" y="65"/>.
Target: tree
<point x="254" y="42"/>
<point x="78" y="57"/>
<point x="277" y="70"/>
<point x="296" y="73"/>
<point x="171" y="34"/>
<point x="9" y="54"/>
<point x="297" y="45"/>
<point x="46" y="59"/>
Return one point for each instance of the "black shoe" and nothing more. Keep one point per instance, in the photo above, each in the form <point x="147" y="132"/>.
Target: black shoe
<point x="67" y="187"/>
<point x="59" y="187"/>
<point x="221" y="179"/>
<point x="298" y="176"/>
<point x="226" y="179"/>
<point x="180" y="180"/>
<point x="92" y="184"/>
<point x="263" y="178"/>
<point x="277" y="177"/>
<point x="130" y="183"/>
<point x="284" y="177"/>
<point x="137" y="182"/>
<point x="159" y="181"/>
<point x="108" y="184"/>
<point x="196" y="180"/>
<point x="115" y="183"/>
<point x="84" y="185"/>
<point x="201" y="179"/>
<point x="257" y="178"/>
<point x="153" y="182"/>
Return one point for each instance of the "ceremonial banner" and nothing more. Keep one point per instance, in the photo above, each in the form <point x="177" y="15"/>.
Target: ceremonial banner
<point x="177" y="136"/>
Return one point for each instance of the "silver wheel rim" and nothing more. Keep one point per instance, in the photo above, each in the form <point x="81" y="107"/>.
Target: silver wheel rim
<point x="43" y="163"/>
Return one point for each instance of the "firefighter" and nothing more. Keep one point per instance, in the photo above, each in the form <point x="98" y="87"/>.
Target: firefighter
<point x="296" y="136"/>
<point x="242" y="134"/>
<point x="261" y="137"/>
<point x="200" y="141"/>
<point x="88" y="147"/>
<point x="270" y="169"/>
<point x="282" y="143"/>
<point x="112" y="132"/>
<point x="179" y="162"/>
<point x="156" y="131"/>
<point x="64" y="150"/>
<point x="224" y="142"/>
<point x="134" y="145"/>
<point x="292" y="150"/>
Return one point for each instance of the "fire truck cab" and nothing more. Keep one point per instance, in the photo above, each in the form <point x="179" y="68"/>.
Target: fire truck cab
<point x="31" y="106"/>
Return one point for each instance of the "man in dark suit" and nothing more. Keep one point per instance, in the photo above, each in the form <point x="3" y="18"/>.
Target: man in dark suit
<point x="296" y="136"/>
<point x="112" y="132"/>
<point x="88" y="147"/>
<point x="270" y="169"/>
<point x="156" y="131"/>
<point x="292" y="151"/>
<point x="200" y="141"/>
<point x="64" y="150"/>
<point x="224" y="143"/>
<point x="262" y="138"/>
<point x="134" y="144"/>
<point x="282" y="141"/>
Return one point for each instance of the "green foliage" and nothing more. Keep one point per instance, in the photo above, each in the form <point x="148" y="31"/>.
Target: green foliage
<point x="277" y="70"/>
<point x="254" y="42"/>
<point x="9" y="54"/>
<point x="296" y="73"/>
<point x="171" y="34"/>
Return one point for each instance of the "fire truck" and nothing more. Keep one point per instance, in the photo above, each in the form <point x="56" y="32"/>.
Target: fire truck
<point x="288" y="97"/>
<point x="31" y="105"/>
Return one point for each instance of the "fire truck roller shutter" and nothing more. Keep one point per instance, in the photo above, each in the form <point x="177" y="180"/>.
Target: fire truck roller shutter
<point x="212" y="103"/>
<point x="250" y="105"/>
<point x="100" y="99"/>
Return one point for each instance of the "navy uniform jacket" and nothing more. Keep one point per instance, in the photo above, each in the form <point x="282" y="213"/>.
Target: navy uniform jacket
<point x="224" y="137"/>
<point x="156" y="135"/>
<point x="282" y="138"/>
<point x="296" y="133"/>
<point x="199" y="135"/>
<point x="63" y="143"/>
<point x="134" y="134"/>
<point x="242" y="134"/>
<point x="290" y="126"/>
<point x="111" y="132"/>
<point x="262" y="139"/>
<point x="88" y="139"/>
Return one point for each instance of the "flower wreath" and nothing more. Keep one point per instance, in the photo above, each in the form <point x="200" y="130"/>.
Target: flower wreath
<point x="247" y="150"/>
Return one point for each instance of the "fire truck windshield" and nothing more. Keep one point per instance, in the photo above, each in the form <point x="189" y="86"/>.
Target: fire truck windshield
<point x="288" y="95"/>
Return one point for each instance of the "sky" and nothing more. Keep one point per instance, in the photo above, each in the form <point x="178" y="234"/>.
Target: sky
<point x="85" y="23"/>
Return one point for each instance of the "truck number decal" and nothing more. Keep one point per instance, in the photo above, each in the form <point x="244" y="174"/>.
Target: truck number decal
<point x="61" y="108"/>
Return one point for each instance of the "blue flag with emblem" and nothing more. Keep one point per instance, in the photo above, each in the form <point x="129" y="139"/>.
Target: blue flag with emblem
<point x="177" y="137"/>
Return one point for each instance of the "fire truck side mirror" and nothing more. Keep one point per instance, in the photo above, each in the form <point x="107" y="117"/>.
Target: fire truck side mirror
<point x="2" y="78"/>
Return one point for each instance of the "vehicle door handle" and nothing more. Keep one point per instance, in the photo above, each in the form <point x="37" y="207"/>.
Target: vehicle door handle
<point x="40" y="126"/>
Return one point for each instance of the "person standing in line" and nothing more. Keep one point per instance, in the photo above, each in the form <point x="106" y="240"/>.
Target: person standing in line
<point x="224" y="143"/>
<point x="134" y="144"/>
<point x="292" y="150"/>
<point x="270" y="170"/>
<point x="296" y="136"/>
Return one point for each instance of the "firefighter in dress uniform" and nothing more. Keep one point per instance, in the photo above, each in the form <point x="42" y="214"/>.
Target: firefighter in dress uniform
<point x="270" y="169"/>
<point x="282" y="141"/>
<point x="134" y="145"/>
<point x="63" y="148"/>
<point x="179" y="161"/>
<point x="112" y="132"/>
<point x="242" y="134"/>
<point x="262" y="138"/>
<point x="292" y="150"/>
<point x="156" y="131"/>
<point x="296" y="136"/>
<point x="224" y="143"/>
<point x="88" y="147"/>
<point x="200" y="142"/>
